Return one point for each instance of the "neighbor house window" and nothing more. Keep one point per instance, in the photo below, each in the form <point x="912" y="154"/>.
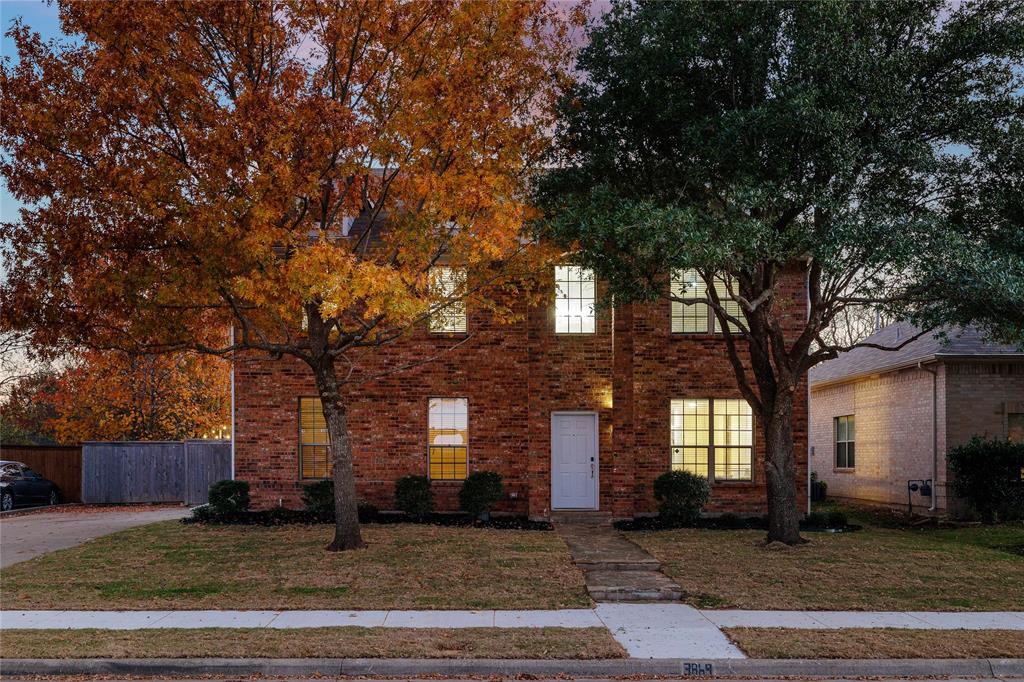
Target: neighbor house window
<point x="844" y="442"/>
<point x="713" y="436"/>
<point x="574" y="300"/>
<point x="314" y="458"/>
<point x="448" y="438"/>
<point x="448" y="284"/>
<point x="698" y="318"/>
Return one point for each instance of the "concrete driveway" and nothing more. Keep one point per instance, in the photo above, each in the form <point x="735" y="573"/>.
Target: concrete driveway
<point x="30" y="535"/>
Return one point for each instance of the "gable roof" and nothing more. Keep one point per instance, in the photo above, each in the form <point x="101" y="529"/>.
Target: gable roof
<point x="958" y="343"/>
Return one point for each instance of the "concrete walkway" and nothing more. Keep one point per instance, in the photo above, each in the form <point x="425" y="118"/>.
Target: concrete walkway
<point x="662" y="630"/>
<point x="27" y="536"/>
<point x="614" y="569"/>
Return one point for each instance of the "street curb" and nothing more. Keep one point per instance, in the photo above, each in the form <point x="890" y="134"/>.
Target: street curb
<point x="394" y="667"/>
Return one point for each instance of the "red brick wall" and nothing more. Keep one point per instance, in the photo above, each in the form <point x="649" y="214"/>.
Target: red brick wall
<point x="514" y="377"/>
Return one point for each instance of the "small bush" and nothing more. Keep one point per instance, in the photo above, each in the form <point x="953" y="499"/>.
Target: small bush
<point x="203" y="514"/>
<point x="816" y="520"/>
<point x="989" y="474"/>
<point x="836" y="519"/>
<point x="681" y="496"/>
<point x="318" y="498"/>
<point x="367" y="512"/>
<point x="414" y="496"/>
<point x="229" y="497"/>
<point x="480" y="492"/>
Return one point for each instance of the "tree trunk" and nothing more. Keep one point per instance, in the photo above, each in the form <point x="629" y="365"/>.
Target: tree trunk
<point x="780" y="467"/>
<point x="346" y="514"/>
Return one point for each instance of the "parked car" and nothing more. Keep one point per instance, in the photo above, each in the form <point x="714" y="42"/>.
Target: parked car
<point x="22" y="487"/>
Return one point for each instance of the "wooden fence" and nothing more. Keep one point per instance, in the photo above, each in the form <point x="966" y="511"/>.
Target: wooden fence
<point x="164" y="471"/>
<point x="62" y="464"/>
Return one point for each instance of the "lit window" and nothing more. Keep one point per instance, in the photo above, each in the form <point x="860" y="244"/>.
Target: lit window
<point x="691" y="436"/>
<point x="712" y="435"/>
<point x="314" y="457"/>
<point x="448" y="283"/>
<point x="574" y="300"/>
<point x="733" y="440"/>
<point x="844" y="442"/>
<point x="698" y="318"/>
<point x="448" y="438"/>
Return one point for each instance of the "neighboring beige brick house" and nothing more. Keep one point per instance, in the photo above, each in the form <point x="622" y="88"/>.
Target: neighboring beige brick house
<point x="871" y="412"/>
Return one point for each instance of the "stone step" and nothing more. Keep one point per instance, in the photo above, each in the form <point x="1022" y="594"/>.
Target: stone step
<point x="632" y="586"/>
<point x="651" y="564"/>
<point x="583" y="517"/>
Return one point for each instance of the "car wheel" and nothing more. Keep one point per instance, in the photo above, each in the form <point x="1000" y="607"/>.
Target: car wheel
<point x="6" y="502"/>
<point x="54" y="497"/>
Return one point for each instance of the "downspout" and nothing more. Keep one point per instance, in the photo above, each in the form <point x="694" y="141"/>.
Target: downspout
<point x="232" y="406"/>
<point x="935" y="434"/>
<point x="807" y="397"/>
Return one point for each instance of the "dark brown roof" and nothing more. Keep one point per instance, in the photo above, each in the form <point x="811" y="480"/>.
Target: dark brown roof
<point x="957" y="343"/>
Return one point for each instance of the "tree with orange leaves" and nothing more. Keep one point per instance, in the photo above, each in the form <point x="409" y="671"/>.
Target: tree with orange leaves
<point x="114" y="395"/>
<point x="192" y="167"/>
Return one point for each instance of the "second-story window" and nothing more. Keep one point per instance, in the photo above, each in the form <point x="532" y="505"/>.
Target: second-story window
<point x="447" y="284"/>
<point x="574" y="300"/>
<point x="700" y="318"/>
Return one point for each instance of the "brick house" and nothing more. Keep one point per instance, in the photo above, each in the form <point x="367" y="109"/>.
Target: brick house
<point x="575" y="409"/>
<point x="882" y="418"/>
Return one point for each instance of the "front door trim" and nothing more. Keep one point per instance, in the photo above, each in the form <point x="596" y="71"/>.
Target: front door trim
<point x="597" y="459"/>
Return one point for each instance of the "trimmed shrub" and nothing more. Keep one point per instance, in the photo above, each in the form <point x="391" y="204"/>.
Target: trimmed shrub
<point x="229" y="497"/>
<point x="480" y="492"/>
<point x="836" y="519"/>
<point x="414" y="496"/>
<point x="318" y="498"/>
<point x="681" y="496"/>
<point x="367" y="512"/>
<point x="816" y="520"/>
<point x="989" y="474"/>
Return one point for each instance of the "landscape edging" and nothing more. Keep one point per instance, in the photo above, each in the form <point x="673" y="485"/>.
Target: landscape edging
<point x="985" y="668"/>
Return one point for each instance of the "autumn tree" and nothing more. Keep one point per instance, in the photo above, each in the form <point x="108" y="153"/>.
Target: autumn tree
<point x="27" y="410"/>
<point x="873" y="146"/>
<point x="290" y="171"/>
<point x="113" y="395"/>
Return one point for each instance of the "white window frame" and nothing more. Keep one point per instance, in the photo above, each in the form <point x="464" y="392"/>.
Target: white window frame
<point x="574" y="300"/>
<point x="716" y="471"/>
<point x="446" y="283"/>
<point x="430" y="446"/>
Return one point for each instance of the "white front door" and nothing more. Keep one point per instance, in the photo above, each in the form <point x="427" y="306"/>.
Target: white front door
<point x="574" y="464"/>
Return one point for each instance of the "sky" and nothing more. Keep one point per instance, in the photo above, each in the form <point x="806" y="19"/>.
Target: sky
<point x="42" y="18"/>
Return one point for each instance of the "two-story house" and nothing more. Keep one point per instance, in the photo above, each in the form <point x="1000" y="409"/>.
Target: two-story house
<point x="576" y="409"/>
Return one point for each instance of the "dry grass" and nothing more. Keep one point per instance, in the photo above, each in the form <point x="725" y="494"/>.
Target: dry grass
<point x="345" y="642"/>
<point x="170" y="565"/>
<point x="965" y="569"/>
<point x="878" y="643"/>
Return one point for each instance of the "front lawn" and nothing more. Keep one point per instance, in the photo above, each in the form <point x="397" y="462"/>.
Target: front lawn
<point x="344" y="642"/>
<point x="174" y="566"/>
<point x="884" y="569"/>
<point x="877" y="643"/>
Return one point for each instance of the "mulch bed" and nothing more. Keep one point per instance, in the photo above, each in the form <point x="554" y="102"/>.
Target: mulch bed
<point x="280" y="516"/>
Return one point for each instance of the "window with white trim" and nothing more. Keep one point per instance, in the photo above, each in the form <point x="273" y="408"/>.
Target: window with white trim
<point x="698" y="318"/>
<point x="448" y="439"/>
<point x="448" y="284"/>
<point x="712" y="437"/>
<point x="574" y="300"/>
<point x="845" y="448"/>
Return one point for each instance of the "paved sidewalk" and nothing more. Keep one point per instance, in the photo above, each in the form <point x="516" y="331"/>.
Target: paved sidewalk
<point x="662" y="630"/>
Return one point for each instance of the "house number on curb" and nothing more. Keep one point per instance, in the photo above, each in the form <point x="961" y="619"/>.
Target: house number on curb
<point x="701" y="669"/>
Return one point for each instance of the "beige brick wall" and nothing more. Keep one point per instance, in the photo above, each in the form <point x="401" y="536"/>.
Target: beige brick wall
<point x="979" y="396"/>
<point x="893" y="414"/>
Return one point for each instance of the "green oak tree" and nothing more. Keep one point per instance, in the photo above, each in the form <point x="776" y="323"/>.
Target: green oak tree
<point x="852" y="143"/>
